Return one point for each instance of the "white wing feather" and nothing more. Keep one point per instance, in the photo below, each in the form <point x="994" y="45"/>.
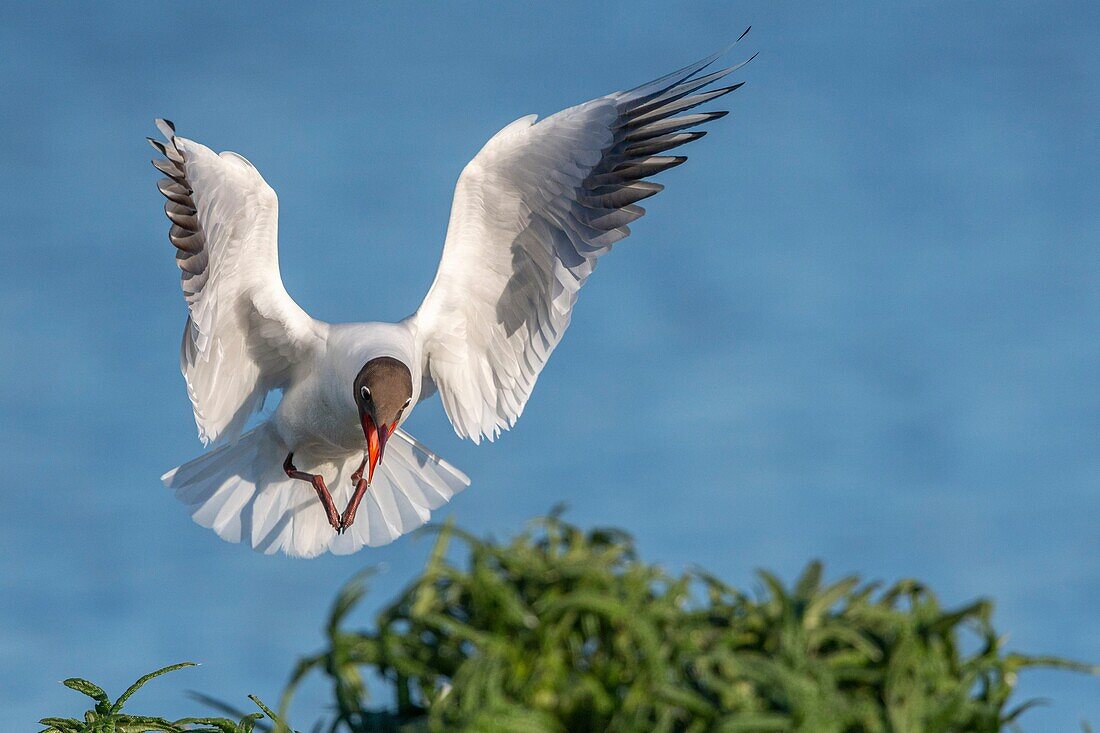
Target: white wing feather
<point x="532" y="213"/>
<point x="243" y="331"/>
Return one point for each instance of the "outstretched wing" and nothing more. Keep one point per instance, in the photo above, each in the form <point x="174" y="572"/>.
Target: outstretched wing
<point x="532" y="213"/>
<point x="243" y="331"/>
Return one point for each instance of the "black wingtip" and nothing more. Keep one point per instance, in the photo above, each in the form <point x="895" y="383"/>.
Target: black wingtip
<point x="166" y="128"/>
<point x="744" y="34"/>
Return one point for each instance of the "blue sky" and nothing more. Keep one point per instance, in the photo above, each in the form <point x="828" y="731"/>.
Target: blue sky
<point x="879" y="275"/>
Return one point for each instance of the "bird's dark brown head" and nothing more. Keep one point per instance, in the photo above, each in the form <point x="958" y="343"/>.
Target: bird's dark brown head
<point x="383" y="390"/>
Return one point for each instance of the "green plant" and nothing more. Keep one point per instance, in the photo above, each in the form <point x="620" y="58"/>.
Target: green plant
<point x="566" y="630"/>
<point x="107" y="716"/>
<point x="563" y="630"/>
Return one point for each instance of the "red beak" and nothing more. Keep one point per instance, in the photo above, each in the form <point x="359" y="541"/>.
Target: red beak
<point x="376" y="443"/>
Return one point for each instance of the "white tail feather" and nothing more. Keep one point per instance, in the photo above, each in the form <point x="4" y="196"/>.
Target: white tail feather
<point x="241" y="492"/>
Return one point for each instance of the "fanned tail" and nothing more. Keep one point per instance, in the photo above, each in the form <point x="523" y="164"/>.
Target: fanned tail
<point x="241" y="492"/>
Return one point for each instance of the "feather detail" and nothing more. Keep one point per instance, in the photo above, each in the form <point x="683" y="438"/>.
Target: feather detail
<point x="533" y="212"/>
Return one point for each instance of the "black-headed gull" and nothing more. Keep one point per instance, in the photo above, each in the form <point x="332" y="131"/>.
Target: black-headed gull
<point x="532" y="213"/>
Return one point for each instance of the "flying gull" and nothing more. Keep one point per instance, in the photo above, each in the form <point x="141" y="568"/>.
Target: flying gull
<point x="532" y="214"/>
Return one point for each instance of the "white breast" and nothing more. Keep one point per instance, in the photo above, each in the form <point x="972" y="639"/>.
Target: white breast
<point x="309" y="417"/>
<point x="318" y="407"/>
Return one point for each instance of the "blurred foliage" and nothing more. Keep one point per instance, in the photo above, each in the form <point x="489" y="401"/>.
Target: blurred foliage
<point x="107" y="716"/>
<point x="568" y="631"/>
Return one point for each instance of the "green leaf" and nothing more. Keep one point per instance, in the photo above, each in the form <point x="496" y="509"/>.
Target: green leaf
<point x="61" y="725"/>
<point x="279" y="724"/>
<point x="87" y="688"/>
<point x="141" y="682"/>
<point x="756" y="723"/>
<point x="810" y="580"/>
<point x="144" y="724"/>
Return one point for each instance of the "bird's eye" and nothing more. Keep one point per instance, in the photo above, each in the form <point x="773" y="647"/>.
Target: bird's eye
<point x="364" y="392"/>
<point x="407" y="402"/>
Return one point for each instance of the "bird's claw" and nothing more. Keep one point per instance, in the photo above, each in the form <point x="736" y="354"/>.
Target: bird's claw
<point x="348" y="517"/>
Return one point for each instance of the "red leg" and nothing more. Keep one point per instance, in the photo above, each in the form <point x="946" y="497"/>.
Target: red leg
<point x="361" y="487"/>
<point x="359" y="471"/>
<point x="318" y="486"/>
